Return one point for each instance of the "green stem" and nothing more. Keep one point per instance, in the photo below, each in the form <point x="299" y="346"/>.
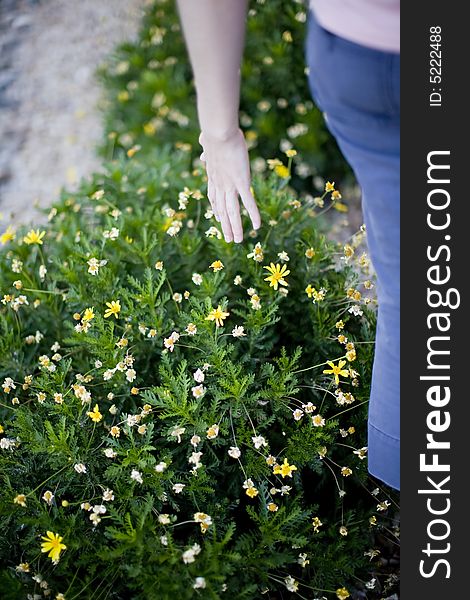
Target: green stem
<point x="346" y="410"/>
<point x="6" y="406"/>
<point x="319" y="365"/>
<point x="46" y="480"/>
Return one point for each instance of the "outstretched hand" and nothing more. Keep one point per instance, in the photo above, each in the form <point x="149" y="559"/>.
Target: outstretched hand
<point x="228" y="173"/>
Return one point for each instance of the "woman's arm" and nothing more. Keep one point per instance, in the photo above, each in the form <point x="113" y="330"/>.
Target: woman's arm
<point x="214" y="31"/>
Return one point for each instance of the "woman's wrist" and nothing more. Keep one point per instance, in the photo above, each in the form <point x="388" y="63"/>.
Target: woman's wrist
<point x="220" y="134"/>
<point x="218" y="114"/>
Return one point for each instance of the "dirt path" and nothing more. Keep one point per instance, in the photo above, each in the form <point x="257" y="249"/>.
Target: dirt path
<point x="49" y="117"/>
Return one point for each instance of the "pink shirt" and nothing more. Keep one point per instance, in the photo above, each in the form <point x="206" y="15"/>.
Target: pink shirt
<point x="372" y="23"/>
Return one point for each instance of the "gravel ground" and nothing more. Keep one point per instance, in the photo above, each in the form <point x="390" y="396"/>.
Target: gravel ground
<point x="49" y="118"/>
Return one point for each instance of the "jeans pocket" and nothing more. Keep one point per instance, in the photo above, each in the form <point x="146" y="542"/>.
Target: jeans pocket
<point x="344" y="75"/>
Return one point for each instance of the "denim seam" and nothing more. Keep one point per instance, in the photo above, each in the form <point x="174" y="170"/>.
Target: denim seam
<point x="391" y="437"/>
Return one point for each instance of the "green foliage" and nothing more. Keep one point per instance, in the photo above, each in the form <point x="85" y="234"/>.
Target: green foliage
<point x="160" y="400"/>
<point x="176" y="454"/>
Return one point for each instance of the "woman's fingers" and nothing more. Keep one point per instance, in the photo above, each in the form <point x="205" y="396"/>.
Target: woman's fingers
<point x="250" y="204"/>
<point x="222" y="211"/>
<point x="233" y="211"/>
<point x="226" y="208"/>
<point x="228" y="176"/>
<point x="211" y="196"/>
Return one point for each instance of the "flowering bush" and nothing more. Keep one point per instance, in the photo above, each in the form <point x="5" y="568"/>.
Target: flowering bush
<point x="151" y="96"/>
<point x="179" y="416"/>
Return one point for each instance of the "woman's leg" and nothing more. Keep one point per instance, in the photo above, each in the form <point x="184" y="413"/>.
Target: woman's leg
<point x="358" y="90"/>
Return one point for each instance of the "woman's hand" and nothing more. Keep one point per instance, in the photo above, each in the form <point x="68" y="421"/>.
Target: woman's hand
<point x="214" y="31"/>
<point x="228" y="173"/>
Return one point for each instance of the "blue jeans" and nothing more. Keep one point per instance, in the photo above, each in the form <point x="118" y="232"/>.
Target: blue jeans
<point x="358" y="90"/>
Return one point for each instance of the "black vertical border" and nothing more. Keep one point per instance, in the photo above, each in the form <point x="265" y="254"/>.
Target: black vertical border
<point x="425" y="129"/>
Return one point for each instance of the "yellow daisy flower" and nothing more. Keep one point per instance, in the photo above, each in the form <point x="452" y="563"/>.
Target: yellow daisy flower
<point x="342" y="593"/>
<point x="95" y="414"/>
<point x="34" y="237"/>
<point x="53" y="545"/>
<point x="252" y="492"/>
<point x="217" y="265"/>
<point x="8" y="235"/>
<point x="114" y="308"/>
<point x="329" y="186"/>
<point x="316" y="524"/>
<point x="149" y="128"/>
<point x="20" y="499"/>
<point x="285" y="469"/>
<point x="340" y="207"/>
<point x="281" y="171"/>
<point x="337" y="370"/>
<point x="130" y="153"/>
<point x="217" y="315"/>
<point x="277" y="275"/>
<point x="88" y="315"/>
